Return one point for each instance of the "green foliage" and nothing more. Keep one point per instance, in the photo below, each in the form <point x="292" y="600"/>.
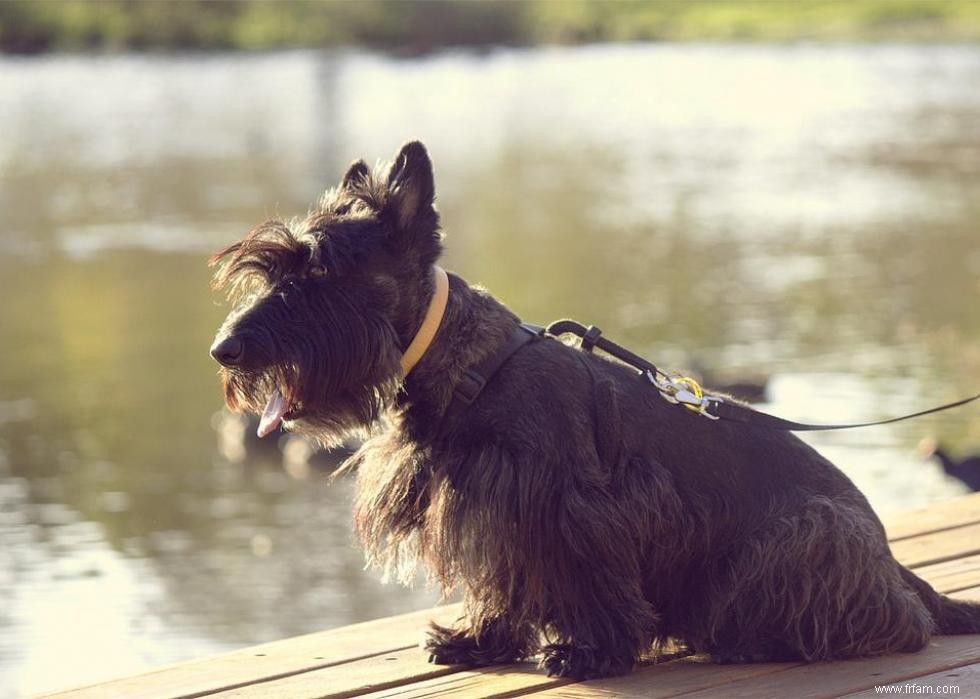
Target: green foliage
<point x="748" y="20"/>
<point x="422" y="25"/>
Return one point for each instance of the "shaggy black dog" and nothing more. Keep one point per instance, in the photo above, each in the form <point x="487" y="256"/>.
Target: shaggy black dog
<point x="569" y="501"/>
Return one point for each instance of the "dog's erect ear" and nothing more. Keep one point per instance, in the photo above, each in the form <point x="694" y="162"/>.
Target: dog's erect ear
<point x="358" y="171"/>
<point x="411" y="186"/>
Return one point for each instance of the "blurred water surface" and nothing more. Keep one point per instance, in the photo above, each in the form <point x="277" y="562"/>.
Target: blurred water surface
<point x="809" y="213"/>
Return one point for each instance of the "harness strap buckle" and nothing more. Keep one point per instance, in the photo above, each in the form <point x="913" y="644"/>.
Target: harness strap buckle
<point x="469" y="386"/>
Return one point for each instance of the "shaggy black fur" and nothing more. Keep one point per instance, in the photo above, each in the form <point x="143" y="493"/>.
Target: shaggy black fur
<point x="569" y="502"/>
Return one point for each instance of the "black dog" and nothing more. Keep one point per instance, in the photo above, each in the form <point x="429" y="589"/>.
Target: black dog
<point x="568" y="500"/>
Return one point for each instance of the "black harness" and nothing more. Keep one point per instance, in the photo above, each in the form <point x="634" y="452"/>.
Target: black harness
<point x="475" y="378"/>
<point x="679" y="390"/>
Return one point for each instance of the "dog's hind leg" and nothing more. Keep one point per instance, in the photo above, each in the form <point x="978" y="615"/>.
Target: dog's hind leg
<point x="493" y="642"/>
<point x="821" y="583"/>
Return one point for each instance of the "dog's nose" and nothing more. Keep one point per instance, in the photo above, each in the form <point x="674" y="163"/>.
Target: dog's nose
<point x="229" y="351"/>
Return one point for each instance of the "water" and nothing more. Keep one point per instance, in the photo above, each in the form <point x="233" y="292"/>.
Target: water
<point x="806" y="212"/>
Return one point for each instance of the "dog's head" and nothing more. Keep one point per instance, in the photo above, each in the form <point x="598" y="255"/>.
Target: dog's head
<point x="325" y="306"/>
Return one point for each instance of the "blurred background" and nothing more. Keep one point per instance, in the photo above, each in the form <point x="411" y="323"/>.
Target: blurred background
<point x="780" y="195"/>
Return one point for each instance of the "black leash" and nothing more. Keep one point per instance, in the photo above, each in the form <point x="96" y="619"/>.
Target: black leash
<point x="679" y="390"/>
<point x="685" y="391"/>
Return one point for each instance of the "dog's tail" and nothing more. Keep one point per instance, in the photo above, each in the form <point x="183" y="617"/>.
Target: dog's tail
<point x="952" y="616"/>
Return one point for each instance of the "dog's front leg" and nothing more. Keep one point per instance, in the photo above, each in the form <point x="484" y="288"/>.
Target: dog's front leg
<point x="599" y="640"/>
<point x="599" y="621"/>
<point x="494" y="642"/>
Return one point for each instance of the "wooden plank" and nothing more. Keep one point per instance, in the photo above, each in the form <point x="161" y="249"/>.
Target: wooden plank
<point x="950" y="576"/>
<point x="938" y="546"/>
<point x="972" y="594"/>
<point x="272" y="660"/>
<point x="965" y="680"/>
<point x="502" y="681"/>
<point x="385" y="671"/>
<point x="824" y="680"/>
<point x="353" y="660"/>
<point x="348" y="679"/>
<point x="939" y="516"/>
<point x="666" y="680"/>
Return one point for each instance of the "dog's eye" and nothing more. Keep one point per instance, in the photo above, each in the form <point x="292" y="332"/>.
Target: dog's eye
<point x="316" y="272"/>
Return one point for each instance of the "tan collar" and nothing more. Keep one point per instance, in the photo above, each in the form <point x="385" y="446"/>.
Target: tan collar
<point x="430" y="324"/>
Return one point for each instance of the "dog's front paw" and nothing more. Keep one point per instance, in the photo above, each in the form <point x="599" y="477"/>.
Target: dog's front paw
<point x="456" y="647"/>
<point x="582" y="662"/>
<point x="449" y="647"/>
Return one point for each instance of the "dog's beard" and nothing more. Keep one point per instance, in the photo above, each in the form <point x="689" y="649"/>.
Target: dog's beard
<point x="269" y="393"/>
<point x="310" y="403"/>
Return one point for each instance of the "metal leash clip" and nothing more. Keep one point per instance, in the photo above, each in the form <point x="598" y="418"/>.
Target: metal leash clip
<point x="683" y="390"/>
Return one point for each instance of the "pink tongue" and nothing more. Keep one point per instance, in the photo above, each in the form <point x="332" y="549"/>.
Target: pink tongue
<point x="272" y="415"/>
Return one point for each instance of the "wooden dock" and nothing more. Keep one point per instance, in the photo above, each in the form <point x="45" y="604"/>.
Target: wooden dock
<point x="381" y="658"/>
